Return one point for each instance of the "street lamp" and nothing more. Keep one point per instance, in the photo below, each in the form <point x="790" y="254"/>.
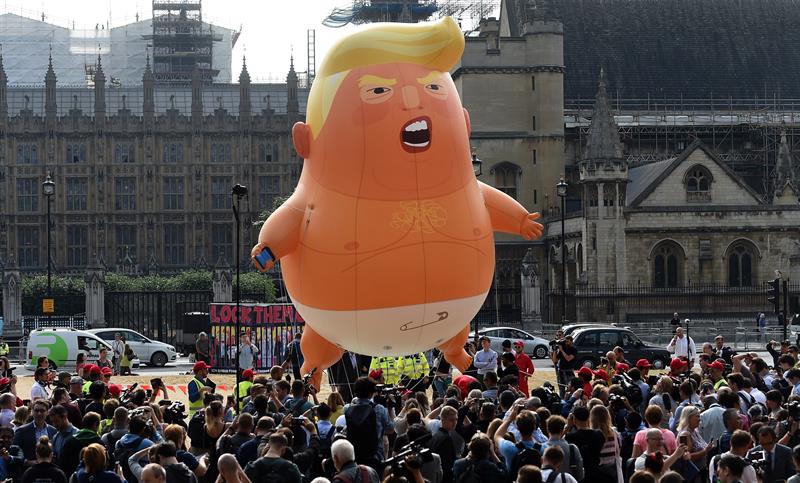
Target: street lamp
<point x="49" y="189"/>
<point x="561" y="191"/>
<point x="476" y="164"/>
<point x="238" y="192"/>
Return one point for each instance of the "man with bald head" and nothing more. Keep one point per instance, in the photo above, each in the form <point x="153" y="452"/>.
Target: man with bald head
<point x="153" y="473"/>
<point x="683" y="346"/>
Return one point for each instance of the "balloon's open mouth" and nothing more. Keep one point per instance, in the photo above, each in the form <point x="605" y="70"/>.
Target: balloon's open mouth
<point x="416" y="135"/>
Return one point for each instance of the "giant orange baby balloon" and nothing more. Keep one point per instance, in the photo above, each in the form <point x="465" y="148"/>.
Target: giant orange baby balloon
<point x="386" y="245"/>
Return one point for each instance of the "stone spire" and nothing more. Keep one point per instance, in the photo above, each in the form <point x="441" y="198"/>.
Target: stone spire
<point x="244" y="93"/>
<point x="50" y="88"/>
<point x="3" y="90"/>
<point x="148" y="98"/>
<point x="292" y="104"/>
<point x="786" y="186"/>
<point x="197" y="95"/>
<point x="603" y="141"/>
<point x="99" y="92"/>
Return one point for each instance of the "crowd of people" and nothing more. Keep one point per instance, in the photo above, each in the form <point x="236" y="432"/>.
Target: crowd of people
<point x="716" y="416"/>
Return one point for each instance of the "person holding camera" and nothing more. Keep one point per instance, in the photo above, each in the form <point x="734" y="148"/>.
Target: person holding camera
<point x="740" y="443"/>
<point x="366" y="423"/>
<point x="481" y="461"/>
<point x="564" y="356"/>
<point x="778" y="462"/>
<point x="683" y="346"/>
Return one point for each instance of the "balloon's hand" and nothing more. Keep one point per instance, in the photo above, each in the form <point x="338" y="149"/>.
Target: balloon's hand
<point x="531" y="229"/>
<point x="262" y="257"/>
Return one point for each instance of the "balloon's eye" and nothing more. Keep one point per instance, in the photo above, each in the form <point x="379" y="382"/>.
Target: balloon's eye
<point x="376" y="94"/>
<point x="437" y="91"/>
<point x="433" y="87"/>
<point x="380" y="90"/>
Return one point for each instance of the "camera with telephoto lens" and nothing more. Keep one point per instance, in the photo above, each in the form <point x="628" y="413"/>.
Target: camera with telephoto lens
<point x="555" y="343"/>
<point x="127" y="395"/>
<point x="793" y="408"/>
<point x="616" y="401"/>
<point x="307" y="381"/>
<point x="414" y="455"/>
<point x="174" y="413"/>
<point x="758" y="461"/>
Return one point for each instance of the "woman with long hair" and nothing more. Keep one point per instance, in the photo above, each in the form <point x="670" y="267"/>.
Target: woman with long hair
<point x="610" y="460"/>
<point x="336" y="403"/>
<point x="80" y="362"/>
<point x="21" y="416"/>
<point x="213" y="428"/>
<point x="44" y="471"/>
<point x="696" y="446"/>
<point x="93" y="469"/>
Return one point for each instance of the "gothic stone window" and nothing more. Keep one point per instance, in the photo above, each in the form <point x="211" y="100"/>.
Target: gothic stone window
<point x="77" y="194"/>
<point x="126" y="241"/>
<point x="27" y="195"/>
<point x="741" y="264"/>
<point x="172" y="152"/>
<point x="27" y="153"/>
<point x="269" y="187"/>
<point x="220" y="193"/>
<point x="505" y="178"/>
<point x="125" y="194"/>
<point x="221" y="152"/>
<point x="222" y="241"/>
<point x="28" y="246"/>
<point x="698" y="184"/>
<point x="174" y="244"/>
<point x="267" y="152"/>
<point x="77" y="245"/>
<point x="591" y="195"/>
<point x="124" y="153"/>
<point x="76" y="153"/>
<point x="609" y="193"/>
<point x="667" y="265"/>
<point x="173" y="193"/>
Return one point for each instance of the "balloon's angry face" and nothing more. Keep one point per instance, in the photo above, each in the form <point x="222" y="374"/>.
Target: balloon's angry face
<point x="392" y="130"/>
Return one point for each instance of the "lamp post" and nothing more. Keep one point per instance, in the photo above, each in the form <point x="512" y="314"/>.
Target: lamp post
<point x="49" y="189"/>
<point x="561" y="191"/>
<point x="477" y="168"/>
<point x="238" y="192"/>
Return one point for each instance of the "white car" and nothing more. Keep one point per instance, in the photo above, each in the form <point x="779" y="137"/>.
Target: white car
<point x="536" y="347"/>
<point x="150" y="352"/>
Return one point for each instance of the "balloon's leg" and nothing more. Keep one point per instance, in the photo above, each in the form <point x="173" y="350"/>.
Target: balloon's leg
<point x="454" y="352"/>
<point x="318" y="353"/>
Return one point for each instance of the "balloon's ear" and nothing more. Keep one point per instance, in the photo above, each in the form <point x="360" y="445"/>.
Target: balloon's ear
<point x="466" y="119"/>
<point x="301" y="135"/>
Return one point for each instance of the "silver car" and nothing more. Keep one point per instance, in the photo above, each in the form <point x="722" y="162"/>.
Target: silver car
<point x="536" y="347"/>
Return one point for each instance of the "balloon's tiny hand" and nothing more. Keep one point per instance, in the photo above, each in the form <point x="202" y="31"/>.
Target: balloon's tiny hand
<point x="531" y="229"/>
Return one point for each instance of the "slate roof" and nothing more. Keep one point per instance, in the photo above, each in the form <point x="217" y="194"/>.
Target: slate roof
<point x="646" y="178"/>
<point x="694" y="48"/>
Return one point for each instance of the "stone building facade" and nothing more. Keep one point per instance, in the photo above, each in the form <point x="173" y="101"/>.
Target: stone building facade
<point x="143" y="174"/>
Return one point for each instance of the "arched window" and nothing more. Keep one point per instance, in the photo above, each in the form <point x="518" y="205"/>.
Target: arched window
<point x="505" y="178"/>
<point x="667" y="265"/>
<point x="741" y="264"/>
<point x="698" y="184"/>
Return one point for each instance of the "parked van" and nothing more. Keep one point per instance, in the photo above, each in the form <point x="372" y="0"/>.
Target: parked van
<point x="62" y="345"/>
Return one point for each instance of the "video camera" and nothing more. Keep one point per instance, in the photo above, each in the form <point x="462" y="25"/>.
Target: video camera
<point x="793" y="408"/>
<point x="414" y="454"/>
<point x="126" y="396"/>
<point x="757" y="460"/>
<point x="174" y="412"/>
<point x="307" y="381"/>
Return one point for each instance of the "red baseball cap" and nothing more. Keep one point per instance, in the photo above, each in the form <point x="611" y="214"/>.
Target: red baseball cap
<point x="519" y="342"/>
<point x="718" y="365"/>
<point x="87" y="368"/>
<point x="200" y="366"/>
<point x="107" y="371"/>
<point x="677" y="364"/>
<point x="4" y="381"/>
<point x="622" y="367"/>
<point x="115" y="390"/>
<point x="601" y="374"/>
<point x="96" y="370"/>
<point x="585" y="371"/>
<point x="376" y="373"/>
<point x="643" y="364"/>
<point x="248" y="373"/>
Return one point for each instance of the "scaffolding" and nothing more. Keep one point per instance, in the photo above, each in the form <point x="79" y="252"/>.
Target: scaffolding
<point x="409" y="11"/>
<point x="182" y="43"/>
<point x="744" y="133"/>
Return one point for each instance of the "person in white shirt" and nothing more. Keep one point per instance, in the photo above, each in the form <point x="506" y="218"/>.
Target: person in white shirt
<point x="485" y="360"/>
<point x="683" y="346"/>
<point x="40" y="389"/>
<point x="551" y="463"/>
<point x="8" y="404"/>
<point x="740" y="441"/>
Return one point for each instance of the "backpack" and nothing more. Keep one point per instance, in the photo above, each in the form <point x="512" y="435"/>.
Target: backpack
<point x="123" y="453"/>
<point x="195" y="430"/>
<point x="326" y="441"/>
<point x="470" y="475"/>
<point x="363" y="419"/>
<point x="179" y="473"/>
<point x="111" y="444"/>
<point x="362" y="476"/>
<point x="551" y="478"/>
<point x="633" y="393"/>
<point x="526" y="456"/>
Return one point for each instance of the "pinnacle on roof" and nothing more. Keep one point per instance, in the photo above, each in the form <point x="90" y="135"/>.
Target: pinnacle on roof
<point x="3" y="78"/>
<point x="99" y="75"/>
<point x="784" y="169"/>
<point x="603" y="141"/>
<point x="148" y="73"/>
<point x="244" y="76"/>
<point x="51" y="75"/>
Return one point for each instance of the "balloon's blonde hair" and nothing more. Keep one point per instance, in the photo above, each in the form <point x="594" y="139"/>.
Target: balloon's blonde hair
<point x="436" y="45"/>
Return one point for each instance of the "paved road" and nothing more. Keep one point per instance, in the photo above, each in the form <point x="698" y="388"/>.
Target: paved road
<point x="181" y="366"/>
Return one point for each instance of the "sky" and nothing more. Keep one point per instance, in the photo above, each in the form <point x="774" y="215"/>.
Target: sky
<point x="271" y="30"/>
